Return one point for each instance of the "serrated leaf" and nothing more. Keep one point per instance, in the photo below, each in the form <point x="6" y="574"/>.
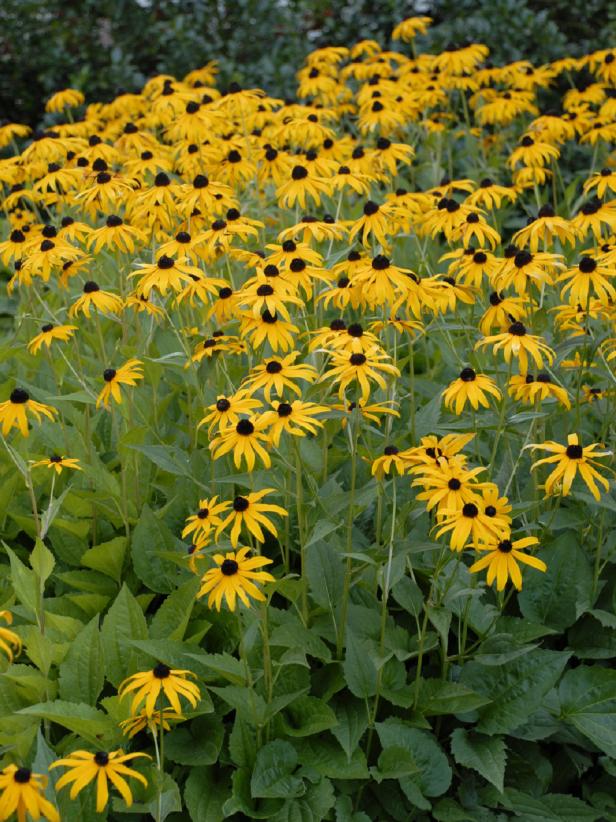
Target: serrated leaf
<point x="308" y="715"/>
<point x="82" y="672"/>
<point x="108" y="558"/>
<point x="484" y="754"/>
<point x="434" y="776"/>
<point x="438" y="698"/>
<point x="359" y="668"/>
<point x="588" y="702"/>
<point x="171" y="619"/>
<point x="205" y="796"/>
<point x="124" y="622"/>
<point x="272" y="774"/>
<point x="77" y="717"/>
<point x="150" y="540"/>
<point x="42" y="561"/>
<point x="352" y="719"/>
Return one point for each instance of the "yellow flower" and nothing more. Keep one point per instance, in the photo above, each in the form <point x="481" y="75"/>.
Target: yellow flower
<point x="516" y="342"/>
<point x="48" y="333"/>
<point x="279" y="374"/>
<point x="250" y="511"/>
<point x="470" y="387"/>
<point x="160" y="681"/>
<point x="246" y="440"/>
<point x="502" y="561"/>
<point x="128" y="374"/>
<point x="470" y="524"/>
<point x="85" y="767"/>
<point x="360" y="368"/>
<point x="103" y="301"/>
<point x="206" y="518"/>
<point x="67" y="98"/>
<point x="295" y="418"/>
<point x="570" y="459"/>
<point x="14" y="411"/>
<point x="59" y="463"/>
<point x="225" y="412"/>
<point x="142" y="720"/>
<point x="23" y="793"/>
<point x="10" y="643"/>
<point x="233" y="578"/>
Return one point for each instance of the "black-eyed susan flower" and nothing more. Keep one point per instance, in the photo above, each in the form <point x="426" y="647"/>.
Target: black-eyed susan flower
<point x="226" y="411"/>
<point x="67" y="98"/>
<point x="408" y="29"/>
<point x="300" y="186"/>
<point x="10" y="643"/>
<point x="469" y="524"/>
<point x="250" y="511"/>
<point x="48" y="333"/>
<point x="530" y="389"/>
<point x="58" y="463"/>
<point x="164" y="275"/>
<point x="279" y="374"/>
<point x="161" y="682"/>
<point x="128" y="374"/>
<point x="543" y="229"/>
<point x="83" y="767"/>
<point x="234" y="577"/>
<point x="117" y="235"/>
<point x="592" y="217"/>
<point x="246" y="440"/>
<point x="501" y="311"/>
<point x="375" y="223"/>
<point x="568" y="460"/>
<point x="517" y="342"/>
<point x="23" y="793"/>
<point x="297" y="418"/>
<point x="360" y="368"/>
<point x="603" y="181"/>
<point x="502" y="558"/>
<point x="94" y="297"/>
<point x="588" y="278"/>
<point x="391" y="458"/>
<point x="207" y="517"/>
<point x="472" y="388"/>
<point x="134" y="724"/>
<point x="14" y="411"/>
<point x="372" y="412"/>
<point x="447" y="483"/>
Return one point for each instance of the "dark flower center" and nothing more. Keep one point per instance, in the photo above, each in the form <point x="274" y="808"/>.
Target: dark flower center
<point x="240" y="504"/>
<point x="380" y="263"/>
<point x="101" y="758"/>
<point x="390" y="450"/>
<point x="271" y="270"/>
<point x="470" y="510"/>
<point x="357" y="359"/>
<point x="165" y="262"/>
<point x="575" y="452"/>
<point x="161" y="179"/>
<point x="472" y="218"/>
<point x="245" y="428"/>
<point x="46" y="328"/>
<point x="22" y="775"/>
<point x="490" y="511"/>
<point x="201" y="181"/>
<point x="113" y="221"/>
<point x="517" y="329"/>
<point x="479" y="257"/>
<point x="522" y="258"/>
<point x="265" y="290"/>
<point x="495" y="298"/>
<point x="587" y="265"/>
<point x="234" y="156"/>
<point x="109" y="374"/>
<point x="454" y="484"/>
<point x="355" y="330"/>
<point x="543" y="377"/>
<point x="182" y="237"/>
<point x="223" y="405"/>
<point x="229" y="567"/>
<point x="505" y="546"/>
<point x="527" y="141"/>
<point x="273" y="367"/>
<point x="225" y="293"/>
<point x="467" y="375"/>
<point x="284" y="409"/>
<point x="370" y="208"/>
<point x="289" y="246"/>
<point x="19" y="396"/>
<point x="161" y="671"/>
<point x="47" y="245"/>
<point x="545" y="211"/>
<point x="203" y="513"/>
<point x="299" y="173"/>
<point x="297" y="264"/>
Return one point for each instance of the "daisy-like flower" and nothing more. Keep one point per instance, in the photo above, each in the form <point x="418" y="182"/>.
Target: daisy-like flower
<point x="408" y="29"/>
<point x="234" y="576"/>
<point x="501" y="312"/>
<point x="206" y="518"/>
<point x="472" y="388"/>
<point x="278" y="374"/>
<point x="528" y="389"/>
<point x="502" y="559"/>
<point x="295" y="418"/>
<point x="127" y="374"/>
<point x="84" y="767"/>
<point x="166" y="274"/>
<point x="67" y="98"/>
<point x="391" y="458"/>
<point x="360" y="368"/>
<point x="517" y="342"/>
<point x="543" y="229"/>
<point x="300" y="186"/>
<point x="250" y="511"/>
<point x="589" y="277"/>
<point x="368" y="411"/>
<point x="376" y="221"/>
<point x="226" y="411"/>
<point x="48" y="333"/>
<point x="246" y="440"/>
<point x="10" y="643"/>
<point x="134" y="724"/>
<point x="161" y="682"/>
<point x="94" y="296"/>
<point x="58" y="463"/>
<point x="448" y="484"/>
<point x="469" y="524"/>
<point x="116" y="234"/>
<point x="14" y="411"/>
<point x="568" y="460"/>
<point x="23" y="793"/>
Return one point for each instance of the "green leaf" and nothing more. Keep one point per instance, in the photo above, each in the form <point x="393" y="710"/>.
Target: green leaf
<point x="171" y="459"/>
<point x="484" y="754"/>
<point x="272" y="774"/>
<point x="352" y="719"/>
<point x="77" y="717"/>
<point x="124" y="622"/>
<point x="359" y="668"/>
<point x="438" y="698"/>
<point x="325" y="573"/>
<point x="42" y="561"/>
<point x="151" y="538"/>
<point x="204" y="795"/>
<point x="559" y="596"/>
<point x="308" y="715"/>
<point x="82" y="672"/>
<point x="313" y="806"/>
<point x="516" y="688"/>
<point x="108" y="558"/>
<point x="434" y="776"/>
<point x="325" y="756"/>
<point x="170" y="801"/>
<point x="171" y="619"/>
<point x="552" y="807"/>
<point x="394" y="763"/>
<point x="196" y="744"/>
<point x="588" y="702"/>
<point x="24" y="582"/>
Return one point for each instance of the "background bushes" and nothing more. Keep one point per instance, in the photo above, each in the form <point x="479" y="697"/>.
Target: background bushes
<point x="104" y="46"/>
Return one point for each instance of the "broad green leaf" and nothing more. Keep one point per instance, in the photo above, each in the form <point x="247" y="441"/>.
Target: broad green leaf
<point x="24" y="582"/>
<point x="552" y="807"/>
<point x="516" y="688"/>
<point x="313" y="806"/>
<point x="124" y="622"/>
<point x="308" y="715"/>
<point x="438" y="698"/>
<point x="171" y="619"/>
<point x="82" y="673"/>
<point x="151" y="538"/>
<point x="196" y="743"/>
<point x="588" y="702"/>
<point x="434" y="776"/>
<point x="484" y="754"/>
<point x="352" y="717"/>
<point x="77" y="717"/>
<point x="107" y="558"/>
<point x="205" y="796"/>
<point x="272" y="774"/>
<point x="42" y="561"/>
<point x="171" y="459"/>
<point x="559" y="596"/>
<point x="394" y="763"/>
<point x="359" y="668"/>
<point x="325" y="756"/>
<point x="325" y="572"/>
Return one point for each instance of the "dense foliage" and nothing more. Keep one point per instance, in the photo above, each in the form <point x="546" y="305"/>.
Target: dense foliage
<point x="92" y="44"/>
<point x="306" y="452"/>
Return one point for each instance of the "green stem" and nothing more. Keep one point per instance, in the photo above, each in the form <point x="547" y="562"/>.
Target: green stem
<point x="355" y="422"/>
